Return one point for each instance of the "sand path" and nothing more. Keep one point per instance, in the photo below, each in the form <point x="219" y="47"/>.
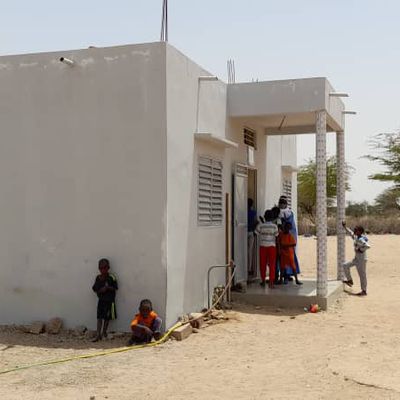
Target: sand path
<point x="351" y="352"/>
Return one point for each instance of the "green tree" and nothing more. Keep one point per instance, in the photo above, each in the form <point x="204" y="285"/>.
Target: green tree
<point x="307" y="182"/>
<point x="387" y="153"/>
<point x="357" y="209"/>
<point x="388" y="200"/>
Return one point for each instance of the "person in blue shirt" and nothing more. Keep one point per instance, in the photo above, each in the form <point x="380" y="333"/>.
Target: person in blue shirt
<point x="251" y="242"/>
<point x="287" y="216"/>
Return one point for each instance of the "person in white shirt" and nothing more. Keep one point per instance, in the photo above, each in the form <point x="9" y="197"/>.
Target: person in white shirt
<point x="267" y="232"/>
<point x="359" y="261"/>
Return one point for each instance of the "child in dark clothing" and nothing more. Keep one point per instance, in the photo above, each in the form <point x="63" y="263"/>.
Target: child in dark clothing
<point x="105" y="287"/>
<point x="145" y="325"/>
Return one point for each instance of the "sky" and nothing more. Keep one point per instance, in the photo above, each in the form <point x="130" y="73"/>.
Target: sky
<point x="354" y="43"/>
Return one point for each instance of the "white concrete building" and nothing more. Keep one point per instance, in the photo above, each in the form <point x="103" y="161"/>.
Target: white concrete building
<point x="127" y="153"/>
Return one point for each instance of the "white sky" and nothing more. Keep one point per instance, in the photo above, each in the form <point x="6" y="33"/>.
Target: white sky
<point x="355" y="43"/>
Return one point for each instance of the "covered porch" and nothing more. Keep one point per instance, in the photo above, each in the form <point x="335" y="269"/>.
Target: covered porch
<point x="293" y="107"/>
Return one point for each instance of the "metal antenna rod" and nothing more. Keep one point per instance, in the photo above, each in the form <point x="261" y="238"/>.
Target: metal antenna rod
<point x="231" y="71"/>
<point x="164" y="22"/>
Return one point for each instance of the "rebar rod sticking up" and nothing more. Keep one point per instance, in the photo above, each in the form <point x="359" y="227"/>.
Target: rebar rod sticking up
<point x="164" y="22"/>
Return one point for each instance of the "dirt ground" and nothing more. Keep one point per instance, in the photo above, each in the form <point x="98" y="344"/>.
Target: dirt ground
<point x="352" y="351"/>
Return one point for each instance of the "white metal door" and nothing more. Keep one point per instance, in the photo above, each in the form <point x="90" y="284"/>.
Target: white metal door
<point x="240" y="222"/>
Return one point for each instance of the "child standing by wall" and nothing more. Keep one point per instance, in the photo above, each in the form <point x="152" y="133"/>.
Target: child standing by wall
<point x="360" y="258"/>
<point x="145" y="325"/>
<point x="287" y="244"/>
<point x="268" y="232"/>
<point x="105" y="286"/>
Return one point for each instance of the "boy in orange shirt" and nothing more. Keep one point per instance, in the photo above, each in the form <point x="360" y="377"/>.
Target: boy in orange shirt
<point x="287" y="244"/>
<point x="145" y="325"/>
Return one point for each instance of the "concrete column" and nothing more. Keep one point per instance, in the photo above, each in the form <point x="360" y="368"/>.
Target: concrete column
<point x="341" y="204"/>
<point x="322" y="265"/>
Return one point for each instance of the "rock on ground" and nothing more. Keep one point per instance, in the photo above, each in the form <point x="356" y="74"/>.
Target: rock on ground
<point x="54" y="326"/>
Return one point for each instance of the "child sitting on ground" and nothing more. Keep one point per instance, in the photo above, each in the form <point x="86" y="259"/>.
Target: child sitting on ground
<point x="287" y="244"/>
<point x="145" y="325"/>
<point x="360" y="258"/>
<point x="105" y="287"/>
<point x="267" y="232"/>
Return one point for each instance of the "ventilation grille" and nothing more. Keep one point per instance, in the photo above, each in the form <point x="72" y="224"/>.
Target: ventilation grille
<point x="210" y="199"/>
<point x="250" y="138"/>
<point x="287" y="191"/>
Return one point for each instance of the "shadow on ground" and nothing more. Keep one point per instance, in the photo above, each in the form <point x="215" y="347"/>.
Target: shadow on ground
<point x="267" y="310"/>
<point x="10" y="339"/>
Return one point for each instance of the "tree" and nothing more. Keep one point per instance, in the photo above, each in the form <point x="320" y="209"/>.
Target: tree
<point x="357" y="209"/>
<point x="388" y="200"/>
<point x="307" y="182"/>
<point x="387" y="149"/>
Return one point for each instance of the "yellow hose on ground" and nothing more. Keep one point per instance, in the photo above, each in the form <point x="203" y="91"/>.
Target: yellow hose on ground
<point x="98" y="354"/>
<point x="119" y="349"/>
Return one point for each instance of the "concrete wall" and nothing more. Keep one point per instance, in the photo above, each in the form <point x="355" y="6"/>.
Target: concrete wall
<point x="82" y="175"/>
<point x="334" y="107"/>
<point x="191" y="248"/>
<point x="281" y="150"/>
<point x="86" y="154"/>
<point x="276" y="97"/>
<point x="201" y="107"/>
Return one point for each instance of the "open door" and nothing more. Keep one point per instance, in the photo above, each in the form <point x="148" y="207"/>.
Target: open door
<point x="240" y="222"/>
<point x="252" y="248"/>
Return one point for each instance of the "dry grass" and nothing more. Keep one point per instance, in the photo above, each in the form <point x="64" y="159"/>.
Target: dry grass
<point x="374" y="224"/>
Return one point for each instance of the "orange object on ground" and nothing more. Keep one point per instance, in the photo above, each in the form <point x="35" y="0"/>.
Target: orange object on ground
<point x="314" y="308"/>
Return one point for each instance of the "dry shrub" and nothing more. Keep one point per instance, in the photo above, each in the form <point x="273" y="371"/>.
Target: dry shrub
<point x="375" y="224"/>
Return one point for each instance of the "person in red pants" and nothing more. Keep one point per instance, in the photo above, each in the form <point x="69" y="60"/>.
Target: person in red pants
<point x="268" y="232"/>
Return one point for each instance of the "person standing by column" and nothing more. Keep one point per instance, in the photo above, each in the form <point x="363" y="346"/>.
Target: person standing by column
<point x="359" y="261"/>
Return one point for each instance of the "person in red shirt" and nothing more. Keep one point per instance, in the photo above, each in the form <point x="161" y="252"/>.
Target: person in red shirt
<point x="145" y="325"/>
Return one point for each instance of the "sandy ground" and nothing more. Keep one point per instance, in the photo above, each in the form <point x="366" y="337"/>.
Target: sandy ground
<point x="352" y="351"/>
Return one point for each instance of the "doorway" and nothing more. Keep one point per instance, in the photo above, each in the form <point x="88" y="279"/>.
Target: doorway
<point x="240" y="222"/>
<point x="252" y="245"/>
<point x="245" y="246"/>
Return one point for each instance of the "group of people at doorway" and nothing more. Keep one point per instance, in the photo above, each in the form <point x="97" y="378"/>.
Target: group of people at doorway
<point x="145" y="325"/>
<point x="277" y="235"/>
